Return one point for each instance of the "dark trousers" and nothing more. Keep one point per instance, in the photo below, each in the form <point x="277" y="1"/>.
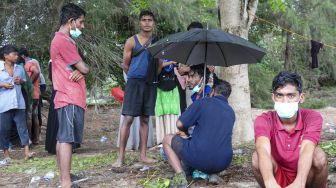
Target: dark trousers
<point x="6" y="123"/>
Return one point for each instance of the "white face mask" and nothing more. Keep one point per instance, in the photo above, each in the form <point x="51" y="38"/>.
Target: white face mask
<point x="75" y="33"/>
<point x="286" y="110"/>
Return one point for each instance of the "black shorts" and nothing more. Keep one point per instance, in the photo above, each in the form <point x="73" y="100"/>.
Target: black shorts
<point x="177" y="145"/>
<point x="139" y="98"/>
<point x="71" y="124"/>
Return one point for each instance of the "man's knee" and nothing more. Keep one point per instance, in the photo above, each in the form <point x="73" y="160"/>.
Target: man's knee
<point x="128" y="120"/>
<point x="144" y="120"/>
<point x="320" y="159"/>
<point x="255" y="163"/>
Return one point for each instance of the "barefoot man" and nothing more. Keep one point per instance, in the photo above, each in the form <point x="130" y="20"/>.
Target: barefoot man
<point x="139" y="97"/>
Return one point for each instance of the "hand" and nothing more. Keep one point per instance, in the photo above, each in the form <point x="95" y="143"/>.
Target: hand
<point x="183" y="69"/>
<point x="7" y="85"/>
<point x="18" y="80"/>
<point x="211" y="68"/>
<point x="272" y="184"/>
<point x="75" y="76"/>
<point x="182" y="134"/>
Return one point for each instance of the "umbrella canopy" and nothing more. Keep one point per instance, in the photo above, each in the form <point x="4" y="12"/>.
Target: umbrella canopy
<point x="212" y="47"/>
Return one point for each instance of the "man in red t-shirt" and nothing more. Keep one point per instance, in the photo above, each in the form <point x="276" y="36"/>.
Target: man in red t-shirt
<point x="34" y="75"/>
<point x="287" y="140"/>
<point x="68" y="70"/>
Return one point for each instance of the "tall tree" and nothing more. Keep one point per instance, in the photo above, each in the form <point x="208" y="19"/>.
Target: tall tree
<point x="55" y="8"/>
<point x="236" y="18"/>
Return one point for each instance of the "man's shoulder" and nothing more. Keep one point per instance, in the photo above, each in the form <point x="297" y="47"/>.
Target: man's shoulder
<point x="130" y="41"/>
<point x="28" y="64"/>
<point x="34" y="61"/>
<point x="309" y="113"/>
<point x="267" y="116"/>
<point x="60" y="39"/>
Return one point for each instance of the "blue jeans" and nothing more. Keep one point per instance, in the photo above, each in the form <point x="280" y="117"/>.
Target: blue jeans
<point x="6" y="122"/>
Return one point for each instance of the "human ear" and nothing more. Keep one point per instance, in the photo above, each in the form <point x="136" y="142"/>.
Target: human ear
<point x="302" y="98"/>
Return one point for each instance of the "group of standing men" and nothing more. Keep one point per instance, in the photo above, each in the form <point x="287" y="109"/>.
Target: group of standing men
<point x="21" y="85"/>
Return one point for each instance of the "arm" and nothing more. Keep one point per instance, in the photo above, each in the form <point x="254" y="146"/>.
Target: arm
<point x="304" y="164"/>
<point x="127" y="56"/>
<point x="35" y="73"/>
<point x="19" y="81"/>
<point x="181" y="130"/>
<point x="82" y="67"/>
<point x="168" y="63"/>
<point x="6" y="85"/>
<point x="263" y="147"/>
<point x="180" y="126"/>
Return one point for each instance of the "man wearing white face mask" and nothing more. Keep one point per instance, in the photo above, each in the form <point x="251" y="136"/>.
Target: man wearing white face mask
<point x="68" y="70"/>
<point x="287" y="152"/>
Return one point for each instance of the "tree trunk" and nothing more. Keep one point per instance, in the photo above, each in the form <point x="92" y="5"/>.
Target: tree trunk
<point x="236" y="18"/>
<point x="288" y="52"/>
<point x="55" y="9"/>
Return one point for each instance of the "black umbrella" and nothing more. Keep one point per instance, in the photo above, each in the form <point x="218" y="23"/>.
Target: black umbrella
<point x="212" y="47"/>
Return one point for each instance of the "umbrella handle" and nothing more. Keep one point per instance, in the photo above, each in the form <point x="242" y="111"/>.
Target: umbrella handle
<point x="204" y="79"/>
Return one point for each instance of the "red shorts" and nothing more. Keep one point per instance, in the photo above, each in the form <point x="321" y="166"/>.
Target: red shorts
<point x="284" y="177"/>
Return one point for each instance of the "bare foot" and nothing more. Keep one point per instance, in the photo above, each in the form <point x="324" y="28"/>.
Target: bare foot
<point x="117" y="164"/>
<point x="29" y="155"/>
<point x="147" y="160"/>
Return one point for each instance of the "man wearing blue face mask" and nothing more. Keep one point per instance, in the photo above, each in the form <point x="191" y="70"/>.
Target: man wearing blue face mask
<point x="287" y="152"/>
<point x="195" y="82"/>
<point x="68" y="70"/>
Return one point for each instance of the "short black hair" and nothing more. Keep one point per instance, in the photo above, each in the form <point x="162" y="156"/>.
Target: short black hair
<point x="146" y="13"/>
<point x="70" y="11"/>
<point x="199" y="69"/>
<point x="7" y="49"/>
<point x="194" y="25"/>
<point x="222" y="87"/>
<point x="23" y="51"/>
<point x="287" y="77"/>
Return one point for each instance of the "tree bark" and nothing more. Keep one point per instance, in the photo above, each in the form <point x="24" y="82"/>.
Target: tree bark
<point x="288" y="52"/>
<point x="55" y="9"/>
<point x="236" y="18"/>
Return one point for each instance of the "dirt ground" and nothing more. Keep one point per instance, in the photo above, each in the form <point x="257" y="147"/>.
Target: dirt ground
<point x="104" y="121"/>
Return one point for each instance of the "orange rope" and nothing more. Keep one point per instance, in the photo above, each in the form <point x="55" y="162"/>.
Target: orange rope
<point x="290" y="31"/>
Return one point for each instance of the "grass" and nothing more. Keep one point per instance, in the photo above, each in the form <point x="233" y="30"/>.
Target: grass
<point x="43" y="165"/>
<point x="154" y="178"/>
<point x="151" y="182"/>
<point x="321" y="98"/>
<point x="329" y="147"/>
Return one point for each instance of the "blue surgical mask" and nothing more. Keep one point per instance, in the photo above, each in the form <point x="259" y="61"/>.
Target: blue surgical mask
<point x="286" y="110"/>
<point x="197" y="88"/>
<point x="75" y="33"/>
